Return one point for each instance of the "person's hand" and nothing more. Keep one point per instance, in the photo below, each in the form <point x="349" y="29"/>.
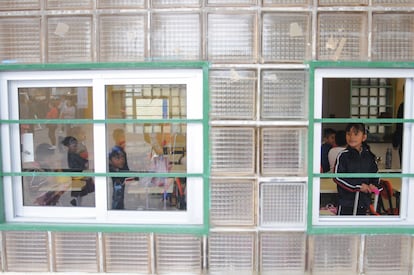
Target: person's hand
<point x="373" y="189"/>
<point x="365" y="188"/>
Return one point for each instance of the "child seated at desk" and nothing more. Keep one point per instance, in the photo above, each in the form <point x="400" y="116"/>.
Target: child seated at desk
<point x="356" y="158"/>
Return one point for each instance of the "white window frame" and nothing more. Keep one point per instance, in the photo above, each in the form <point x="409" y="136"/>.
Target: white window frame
<point x="406" y="216"/>
<point x="10" y="144"/>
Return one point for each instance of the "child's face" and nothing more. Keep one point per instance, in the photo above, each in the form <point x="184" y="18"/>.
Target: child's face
<point x="354" y="138"/>
<point x="73" y="147"/>
<point x="331" y="139"/>
<point x="118" y="161"/>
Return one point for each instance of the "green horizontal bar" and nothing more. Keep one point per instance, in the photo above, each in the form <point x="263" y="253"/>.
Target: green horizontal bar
<point x="106" y="228"/>
<point x="109" y="174"/>
<point x="97" y="121"/>
<point x="363" y="120"/>
<point x="357" y="64"/>
<point x="105" y="65"/>
<point x="364" y="175"/>
<point x="358" y="230"/>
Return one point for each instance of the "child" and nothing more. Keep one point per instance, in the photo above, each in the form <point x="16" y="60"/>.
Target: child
<point x="356" y="158"/>
<point x="77" y="162"/>
<point x="328" y="143"/>
<point x="340" y="141"/>
<point x="117" y="163"/>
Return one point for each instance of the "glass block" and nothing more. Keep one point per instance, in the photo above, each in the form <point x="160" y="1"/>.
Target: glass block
<point x="232" y="94"/>
<point x="76" y="247"/>
<point x="125" y="4"/>
<point x="284" y="151"/>
<point x="232" y="150"/>
<point x="392" y="36"/>
<point x="286" y="2"/>
<point x="186" y="259"/>
<point x="27" y="251"/>
<point x="175" y="4"/>
<point x="127" y="252"/>
<point x="231" y="2"/>
<point x="20" y="40"/>
<point x="334" y="255"/>
<point x="73" y="4"/>
<point x="342" y="36"/>
<point x="387" y="254"/>
<point x="286" y="37"/>
<point x="231" y="252"/>
<point x="232" y="37"/>
<point x="364" y="91"/>
<point x="176" y="36"/>
<point x="232" y="202"/>
<point x="122" y="37"/>
<point x="393" y="2"/>
<point x="19" y="4"/>
<point x="343" y="2"/>
<point x="69" y="38"/>
<point x="282" y="253"/>
<point x="282" y="204"/>
<point x="284" y="94"/>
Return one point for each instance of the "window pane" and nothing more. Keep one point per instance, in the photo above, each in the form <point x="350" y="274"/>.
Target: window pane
<point x="146" y="147"/>
<point x="64" y="146"/>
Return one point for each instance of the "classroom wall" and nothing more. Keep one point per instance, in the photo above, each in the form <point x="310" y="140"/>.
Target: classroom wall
<point x="258" y="86"/>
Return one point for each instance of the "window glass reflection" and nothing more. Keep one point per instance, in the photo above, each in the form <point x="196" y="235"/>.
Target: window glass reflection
<point x="57" y="147"/>
<point x="146" y="147"/>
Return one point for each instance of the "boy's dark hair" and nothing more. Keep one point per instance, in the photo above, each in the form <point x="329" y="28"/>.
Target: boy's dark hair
<point x="360" y="127"/>
<point x="328" y="131"/>
<point x="115" y="152"/>
<point x="69" y="140"/>
<point x="340" y="138"/>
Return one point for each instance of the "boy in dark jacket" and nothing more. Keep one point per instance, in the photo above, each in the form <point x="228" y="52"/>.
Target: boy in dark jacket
<point x="356" y="158"/>
<point x="117" y="163"/>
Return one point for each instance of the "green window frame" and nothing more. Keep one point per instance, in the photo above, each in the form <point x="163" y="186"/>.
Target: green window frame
<point x="198" y="228"/>
<point x="354" y="225"/>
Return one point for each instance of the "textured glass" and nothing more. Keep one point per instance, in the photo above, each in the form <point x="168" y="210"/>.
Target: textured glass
<point x="282" y="204"/>
<point x="232" y="94"/>
<point x="342" y="36"/>
<point x="73" y="4"/>
<point x="285" y="2"/>
<point x="69" y="38"/>
<point x="27" y="251"/>
<point x="232" y="202"/>
<point x="175" y="3"/>
<point x="19" y="4"/>
<point x="282" y="253"/>
<point x="175" y="36"/>
<point x="286" y="37"/>
<point x="393" y="2"/>
<point x="127" y="252"/>
<point x="122" y="37"/>
<point x="232" y="37"/>
<point x="120" y="4"/>
<point x="231" y="252"/>
<point x="19" y="40"/>
<point x="284" y="151"/>
<point x="335" y="255"/>
<point x="393" y="37"/>
<point x="232" y="150"/>
<point x="343" y="2"/>
<point x="186" y="257"/>
<point x="78" y="248"/>
<point x="284" y="94"/>
<point x="231" y="2"/>
<point x="387" y="254"/>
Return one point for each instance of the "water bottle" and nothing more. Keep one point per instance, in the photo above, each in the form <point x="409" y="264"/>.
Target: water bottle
<point x="388" y="159"/>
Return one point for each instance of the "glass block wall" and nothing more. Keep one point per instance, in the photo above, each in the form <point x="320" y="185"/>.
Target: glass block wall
<point x="259" y="116"/>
